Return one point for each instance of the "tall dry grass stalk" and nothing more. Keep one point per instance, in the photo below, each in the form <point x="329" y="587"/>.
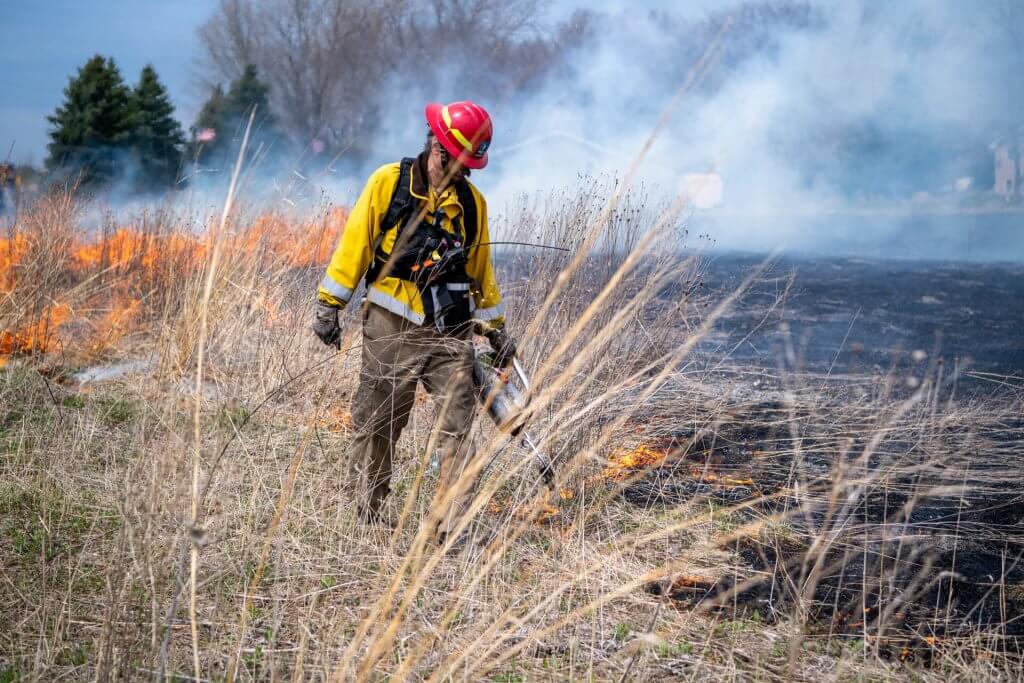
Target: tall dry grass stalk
<point x="281" y="580"/>
<point x="804" y="527"/>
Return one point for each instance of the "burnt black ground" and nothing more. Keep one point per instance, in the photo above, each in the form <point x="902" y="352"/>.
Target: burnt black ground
<point x="854" y="320"/>
<point x="857" y="315"/>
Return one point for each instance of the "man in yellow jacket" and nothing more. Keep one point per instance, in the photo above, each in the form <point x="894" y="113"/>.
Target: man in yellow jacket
<point x="418" y="238"/>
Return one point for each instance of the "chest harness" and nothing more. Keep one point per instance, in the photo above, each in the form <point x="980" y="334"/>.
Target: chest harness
<point x="432" y="258"/>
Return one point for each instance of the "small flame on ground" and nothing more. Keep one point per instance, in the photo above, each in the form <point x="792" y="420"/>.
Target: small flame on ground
<point x="712" y="478"/>
<point x="692" y="582"/>
<point x="545" y="512"/>
<point x="624" y="464"/>
<point x="337" y="420"/>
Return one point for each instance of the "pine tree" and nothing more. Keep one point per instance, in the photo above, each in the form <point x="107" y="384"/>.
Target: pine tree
<point x="91" y="129"/>
<point x="204" y="142"/>
<point x="221" y="123"/>
<point x="246" y="92"/>
<point x="157" y="139"/>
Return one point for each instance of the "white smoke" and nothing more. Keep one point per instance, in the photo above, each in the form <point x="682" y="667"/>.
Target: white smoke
<point x="771" y="121"/>
<point x="765" y="123"/>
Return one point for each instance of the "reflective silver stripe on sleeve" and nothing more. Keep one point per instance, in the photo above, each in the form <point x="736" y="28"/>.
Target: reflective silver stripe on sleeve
<point x="458" y="286"/>
<point x="490" y="313"/>
<point x="390" y="303"/>
<point x="334" y="289"/>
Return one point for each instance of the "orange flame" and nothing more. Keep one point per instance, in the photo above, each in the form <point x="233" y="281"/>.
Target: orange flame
<point x="545" y="512"/>
<point x="12" y="252"/>
<point x="35" y="337"/>
<point x="692" y="582"/>
<point x="624" y="464"/>
<point x="132" y="261"/>
<point x="337" y="419"/>
<point x="712" y="478"/>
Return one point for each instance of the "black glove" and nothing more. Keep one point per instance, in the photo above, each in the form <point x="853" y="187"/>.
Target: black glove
<point x="503" y="345"/>
<point x="326" y="325"/>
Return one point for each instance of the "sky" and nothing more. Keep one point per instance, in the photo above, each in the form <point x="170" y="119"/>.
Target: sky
<point x="46" y="42"/>
<point x="916" y="68"/>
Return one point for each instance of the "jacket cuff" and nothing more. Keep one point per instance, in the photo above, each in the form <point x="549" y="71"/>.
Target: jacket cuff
<point x="492" y="314"/>
<point x="325" y="298"/>
<point x="483" y="326"/>
<point x="334" y="289"/>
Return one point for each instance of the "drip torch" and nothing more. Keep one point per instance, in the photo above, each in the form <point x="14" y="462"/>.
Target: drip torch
<point x="506" y="405"/>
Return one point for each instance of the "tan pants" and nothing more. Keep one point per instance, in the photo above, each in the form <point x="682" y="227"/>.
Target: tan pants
<point x="397" y="354"/>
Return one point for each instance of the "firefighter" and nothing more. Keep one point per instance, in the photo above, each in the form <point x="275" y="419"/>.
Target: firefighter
<point x="418" y="238"/>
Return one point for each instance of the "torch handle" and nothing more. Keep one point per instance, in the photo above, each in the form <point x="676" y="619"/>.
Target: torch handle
<point x="522" y="373"/>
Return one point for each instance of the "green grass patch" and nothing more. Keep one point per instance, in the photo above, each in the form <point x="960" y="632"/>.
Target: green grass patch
<point x="508" y="677"/>
<point x="75" y="654"/>
<point x="47" y="524"/>
<point x="233" y="417"/>
<point x="115" y="411"/>
<point x="75" y="402"/>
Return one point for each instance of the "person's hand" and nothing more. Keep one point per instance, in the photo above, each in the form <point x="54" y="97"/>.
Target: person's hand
<point x="503" y="345"/>
<point x="325" y="324"/>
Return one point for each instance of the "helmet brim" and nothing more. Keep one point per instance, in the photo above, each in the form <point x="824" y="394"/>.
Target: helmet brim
<point x="436" y="123"/>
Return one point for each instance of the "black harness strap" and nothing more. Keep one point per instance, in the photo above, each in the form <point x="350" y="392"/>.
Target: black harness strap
<point x="465" y="195"/>
<point x="401" y="208"/>
<point x="401" y="204"/>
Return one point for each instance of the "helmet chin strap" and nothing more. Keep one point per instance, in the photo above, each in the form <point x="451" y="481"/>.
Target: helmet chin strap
<point x="446" y="160"/>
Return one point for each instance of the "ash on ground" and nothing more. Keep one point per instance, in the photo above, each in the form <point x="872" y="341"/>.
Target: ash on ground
<point x="875" y="407"/>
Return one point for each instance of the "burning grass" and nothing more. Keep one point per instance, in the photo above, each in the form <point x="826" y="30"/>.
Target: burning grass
<point x="624" y="463"/>
<point x="106" y="280"/>
<point x="704" y="530"/>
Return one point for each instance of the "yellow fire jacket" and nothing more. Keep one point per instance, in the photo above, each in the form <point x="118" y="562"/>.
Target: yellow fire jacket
<point x="354" y="253"/>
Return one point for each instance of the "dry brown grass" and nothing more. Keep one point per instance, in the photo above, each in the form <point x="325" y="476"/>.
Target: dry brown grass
<point x="111" y="489"/>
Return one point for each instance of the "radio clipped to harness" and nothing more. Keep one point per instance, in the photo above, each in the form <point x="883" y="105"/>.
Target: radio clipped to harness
<point x="429" y="256"/>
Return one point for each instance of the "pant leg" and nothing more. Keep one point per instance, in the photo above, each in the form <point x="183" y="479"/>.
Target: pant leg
<point x="391" y="364"/>
<point x="448" y="377"/>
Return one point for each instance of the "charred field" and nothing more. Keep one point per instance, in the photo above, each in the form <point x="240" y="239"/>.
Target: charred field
<point x="786" y="470"/>
<point x="931" y="548"/>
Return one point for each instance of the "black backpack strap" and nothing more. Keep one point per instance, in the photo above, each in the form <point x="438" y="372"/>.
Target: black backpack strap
<point x="401" y="201"/>
<point x="399" y="209"/>
<point x="469" y="218"/>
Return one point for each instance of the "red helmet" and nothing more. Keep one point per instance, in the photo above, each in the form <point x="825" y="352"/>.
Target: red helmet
<point x="464" y="129"/>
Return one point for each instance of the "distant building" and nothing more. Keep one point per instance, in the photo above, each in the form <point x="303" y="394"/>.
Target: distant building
<point x="8" y="188"/>
<point x="1009" y="169"/>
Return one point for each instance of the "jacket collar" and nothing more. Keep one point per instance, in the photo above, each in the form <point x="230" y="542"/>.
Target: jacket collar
<point x="418" y="182"/>
<point x="418" y="177"/>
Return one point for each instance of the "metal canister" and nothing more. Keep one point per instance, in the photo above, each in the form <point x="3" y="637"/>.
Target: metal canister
<point x="507" y="406"/>
<point x="504" y="400"/>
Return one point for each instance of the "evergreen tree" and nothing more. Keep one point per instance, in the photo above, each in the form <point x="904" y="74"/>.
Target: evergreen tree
<point x="157" y="139"/>
<point x="91" y="129"/>
<point x="246" y="92"/>
<point x="221" y="123"/>
<point x="204" y="140"/>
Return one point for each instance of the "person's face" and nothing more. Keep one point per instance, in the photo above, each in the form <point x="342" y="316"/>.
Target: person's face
<point x="436" y="164"/>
